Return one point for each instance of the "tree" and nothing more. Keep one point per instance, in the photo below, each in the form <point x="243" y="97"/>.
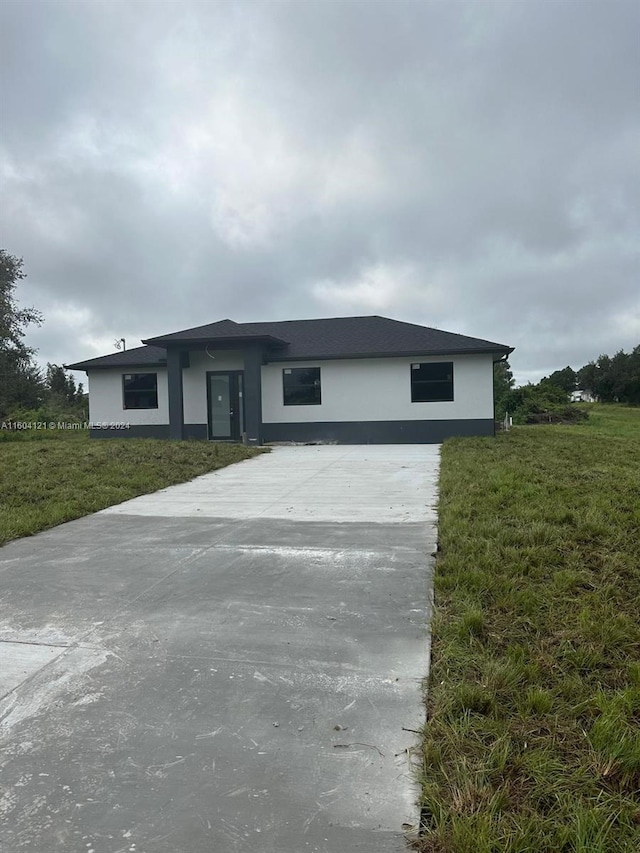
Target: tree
<point x="603" y="386"/>
<point x="633" y="384"/>
<point x="61" y="387"/>
<point x="586" y="377"/>
<point x="620" y="376"/>
<point x="613" y="380"/>
<point x="20" y="379"/>
<point x="565" y="379"/>
<point x="503" y="382"/>
<point x="609" y="376"/>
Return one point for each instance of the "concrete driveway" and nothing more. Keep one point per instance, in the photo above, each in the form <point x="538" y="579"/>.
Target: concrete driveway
<point x="224" y="666"/>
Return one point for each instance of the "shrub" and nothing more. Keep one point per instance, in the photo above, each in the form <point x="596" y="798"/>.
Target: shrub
<point x="45" y="416"/>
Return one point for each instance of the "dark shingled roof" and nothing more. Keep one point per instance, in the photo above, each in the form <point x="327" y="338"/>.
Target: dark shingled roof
<point x="223" y="330"/>
<point x="338" y="337"/>
<point x="136" y="357"/>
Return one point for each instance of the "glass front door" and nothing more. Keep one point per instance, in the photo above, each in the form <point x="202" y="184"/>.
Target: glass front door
<point x="226" y="412"/>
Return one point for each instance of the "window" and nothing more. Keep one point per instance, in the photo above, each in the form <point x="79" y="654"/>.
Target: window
<point x="140" y="391"/>
<point x="301" y="386"/>
<point x="432" y="383"/>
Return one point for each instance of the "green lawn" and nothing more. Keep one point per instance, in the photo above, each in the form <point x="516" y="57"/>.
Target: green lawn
<point x="532" y="741"/>
<point x="45" y="482"/>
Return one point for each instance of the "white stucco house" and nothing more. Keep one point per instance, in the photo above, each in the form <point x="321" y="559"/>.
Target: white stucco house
<point x="353" y="380"/>
<point x="581" y="396"/>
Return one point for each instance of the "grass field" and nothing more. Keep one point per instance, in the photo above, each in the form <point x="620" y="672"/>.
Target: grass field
<point x="45" y="482"/>
<point x="532" y="741"/>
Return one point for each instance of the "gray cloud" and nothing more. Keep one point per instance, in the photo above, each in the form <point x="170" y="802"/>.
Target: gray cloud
<point x="469" y="165"/>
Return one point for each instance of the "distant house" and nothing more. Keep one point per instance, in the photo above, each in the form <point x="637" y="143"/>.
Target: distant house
<point x="582" y="397"/>
<point x="352" y="380"/>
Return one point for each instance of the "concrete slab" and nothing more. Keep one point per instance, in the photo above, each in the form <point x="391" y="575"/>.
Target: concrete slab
<point x="22" y="659"/>
<point x="325" y="483"/>
<point x="222" y="682"/>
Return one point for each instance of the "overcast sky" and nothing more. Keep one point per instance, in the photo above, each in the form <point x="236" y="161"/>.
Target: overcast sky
<point x="467" y="165"/>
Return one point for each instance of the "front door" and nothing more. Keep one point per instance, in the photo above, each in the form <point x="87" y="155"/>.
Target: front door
<point x="225" y="405"/>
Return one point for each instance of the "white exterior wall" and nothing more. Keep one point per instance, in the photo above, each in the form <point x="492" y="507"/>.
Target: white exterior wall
<point x="379" y="389"/>
<point x="105" y="398"/>
<point x="376" y="389"/>
<point x="194" y="381"/>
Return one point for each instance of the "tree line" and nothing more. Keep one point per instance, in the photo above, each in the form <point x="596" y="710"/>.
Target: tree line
<point x="609" y="379"/>
<point x="613" y="379"/>
<point x="23" y="385"/>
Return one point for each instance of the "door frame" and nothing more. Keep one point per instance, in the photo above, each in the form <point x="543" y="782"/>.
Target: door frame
<point x="235" y="400"/>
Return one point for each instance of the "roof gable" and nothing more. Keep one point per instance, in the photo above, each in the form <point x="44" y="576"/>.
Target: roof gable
<point x="223" y="330"/>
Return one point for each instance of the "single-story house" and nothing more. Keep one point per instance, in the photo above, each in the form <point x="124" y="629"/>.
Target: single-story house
<point x="352" y="380"/>
<point x="581" y="396"/>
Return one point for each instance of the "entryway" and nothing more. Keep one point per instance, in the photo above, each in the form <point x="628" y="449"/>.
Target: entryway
<point x="225" y="405"/>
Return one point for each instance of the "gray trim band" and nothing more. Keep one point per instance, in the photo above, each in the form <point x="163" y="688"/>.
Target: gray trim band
<point x="378" y="432"/>
<point x="341" y="432"/>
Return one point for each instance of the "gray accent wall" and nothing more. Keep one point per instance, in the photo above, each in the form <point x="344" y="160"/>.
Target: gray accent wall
<point x="175" y="362"/>
<point x="133" y="431"/>
<point x="377" y="432"/>
<point x="253" y="357"/>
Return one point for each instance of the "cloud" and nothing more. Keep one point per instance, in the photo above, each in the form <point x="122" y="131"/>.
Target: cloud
<point x="468" y="165"/>
<point x="376" y="288"/>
